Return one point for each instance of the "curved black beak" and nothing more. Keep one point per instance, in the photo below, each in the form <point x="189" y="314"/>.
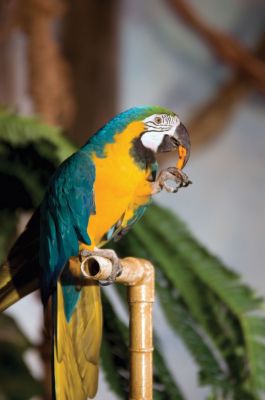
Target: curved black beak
<point x="181" y="141"/>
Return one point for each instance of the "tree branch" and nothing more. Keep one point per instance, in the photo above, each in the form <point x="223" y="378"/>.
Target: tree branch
<point x="224" y="46"/>
<point x="49" y="74"/>
<point x="210" y="120"/>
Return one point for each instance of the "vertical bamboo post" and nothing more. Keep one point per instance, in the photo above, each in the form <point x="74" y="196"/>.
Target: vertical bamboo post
<point x="139" y="276"/>
<point x="140" y="299"/>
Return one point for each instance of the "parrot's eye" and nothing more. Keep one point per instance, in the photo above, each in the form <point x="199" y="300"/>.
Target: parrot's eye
<point x="158" y="120"/>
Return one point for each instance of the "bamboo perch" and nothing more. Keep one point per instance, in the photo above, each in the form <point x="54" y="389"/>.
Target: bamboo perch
<point x="138" y="275"/>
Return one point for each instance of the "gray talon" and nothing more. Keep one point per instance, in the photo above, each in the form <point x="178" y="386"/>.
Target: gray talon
<point x="116" y="271"/>
<point x="85" y="253"/>
<point x="171" y="174"/>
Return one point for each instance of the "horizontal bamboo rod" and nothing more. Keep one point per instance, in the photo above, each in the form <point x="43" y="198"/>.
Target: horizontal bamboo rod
<point x="100" y="268"/>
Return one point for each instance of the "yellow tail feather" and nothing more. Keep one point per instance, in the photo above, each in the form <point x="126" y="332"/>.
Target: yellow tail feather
<point x="77" y="345"/>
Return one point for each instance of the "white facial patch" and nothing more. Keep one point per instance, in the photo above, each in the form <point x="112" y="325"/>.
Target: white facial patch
<point x="152" y="140"/>
<point x="157" y="126"/>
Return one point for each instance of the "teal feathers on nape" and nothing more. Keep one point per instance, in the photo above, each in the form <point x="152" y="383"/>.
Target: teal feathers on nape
<point x="118" y="124"/>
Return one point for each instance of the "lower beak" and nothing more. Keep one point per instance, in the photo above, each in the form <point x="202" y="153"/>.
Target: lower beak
<point x="181" y="136"/>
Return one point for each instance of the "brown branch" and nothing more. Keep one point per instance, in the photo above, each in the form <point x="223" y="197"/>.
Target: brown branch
<point x="210" y="120"/>
<point x="49" y="74"/>
<point x="224" y="46"/>
<point x="8" y="18"/>
<point x="91" y="47"/>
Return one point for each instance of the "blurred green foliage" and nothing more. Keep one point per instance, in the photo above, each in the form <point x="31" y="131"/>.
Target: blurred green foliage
<point x="29" y="153"/>
<point x="219" y="319"/>
<point x="16" y="381"/>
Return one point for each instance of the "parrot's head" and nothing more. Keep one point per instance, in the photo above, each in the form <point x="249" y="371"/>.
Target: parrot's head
<point x="144" y="132"/>
<point x="164" y="132"/>
<point x="153" y="130"/>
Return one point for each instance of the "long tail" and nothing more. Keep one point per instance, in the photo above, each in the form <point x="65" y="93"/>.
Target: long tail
<point x="19" y="274"/>
<point x="77" y="344"/>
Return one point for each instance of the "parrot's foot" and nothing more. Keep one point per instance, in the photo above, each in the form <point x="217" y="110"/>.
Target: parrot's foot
<point x="170" y="174"/>
<point x="110" y="255"/>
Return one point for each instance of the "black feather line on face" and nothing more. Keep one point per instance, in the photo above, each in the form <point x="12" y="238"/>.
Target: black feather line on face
<point x="166" y="145"/>
<point x="142" y="156"/>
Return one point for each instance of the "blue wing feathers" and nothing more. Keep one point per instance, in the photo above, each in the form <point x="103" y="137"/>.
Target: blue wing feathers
<point x="65" y="212"/>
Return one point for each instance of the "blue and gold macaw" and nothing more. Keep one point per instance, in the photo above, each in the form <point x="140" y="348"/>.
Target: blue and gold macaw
<point x="96" y="195"/>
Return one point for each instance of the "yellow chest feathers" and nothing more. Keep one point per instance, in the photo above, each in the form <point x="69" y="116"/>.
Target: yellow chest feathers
<point x="120" y="186"/>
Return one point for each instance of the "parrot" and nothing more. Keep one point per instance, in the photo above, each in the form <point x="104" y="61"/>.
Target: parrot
<point x="95" y="196"/>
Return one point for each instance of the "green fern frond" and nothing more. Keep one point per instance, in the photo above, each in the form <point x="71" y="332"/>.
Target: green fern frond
<point x="13" y="345"/>
<point x="19" y="132"/>
<point x="29" y="153"/>
<point x="191" y="270"/>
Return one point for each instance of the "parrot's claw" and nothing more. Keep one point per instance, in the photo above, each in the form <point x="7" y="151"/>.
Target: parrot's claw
<point x="181" y="178"/>
<point x="170" y="174"/>
<point x="110" y="255"/>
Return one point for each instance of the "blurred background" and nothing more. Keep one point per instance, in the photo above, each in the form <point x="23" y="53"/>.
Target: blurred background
<point x="74" y="65"/>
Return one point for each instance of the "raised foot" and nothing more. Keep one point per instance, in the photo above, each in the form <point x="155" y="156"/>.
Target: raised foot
<point x="171" y="174"/>
<point x="110" y="255"/>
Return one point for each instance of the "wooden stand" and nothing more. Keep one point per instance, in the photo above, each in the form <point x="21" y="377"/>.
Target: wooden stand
<point x="138" y="275"/>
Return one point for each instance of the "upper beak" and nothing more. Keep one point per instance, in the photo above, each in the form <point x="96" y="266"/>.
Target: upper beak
<point x="182" y="140"/>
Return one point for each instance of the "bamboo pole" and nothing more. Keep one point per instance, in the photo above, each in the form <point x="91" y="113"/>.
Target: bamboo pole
<point x="138" y="275"/>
